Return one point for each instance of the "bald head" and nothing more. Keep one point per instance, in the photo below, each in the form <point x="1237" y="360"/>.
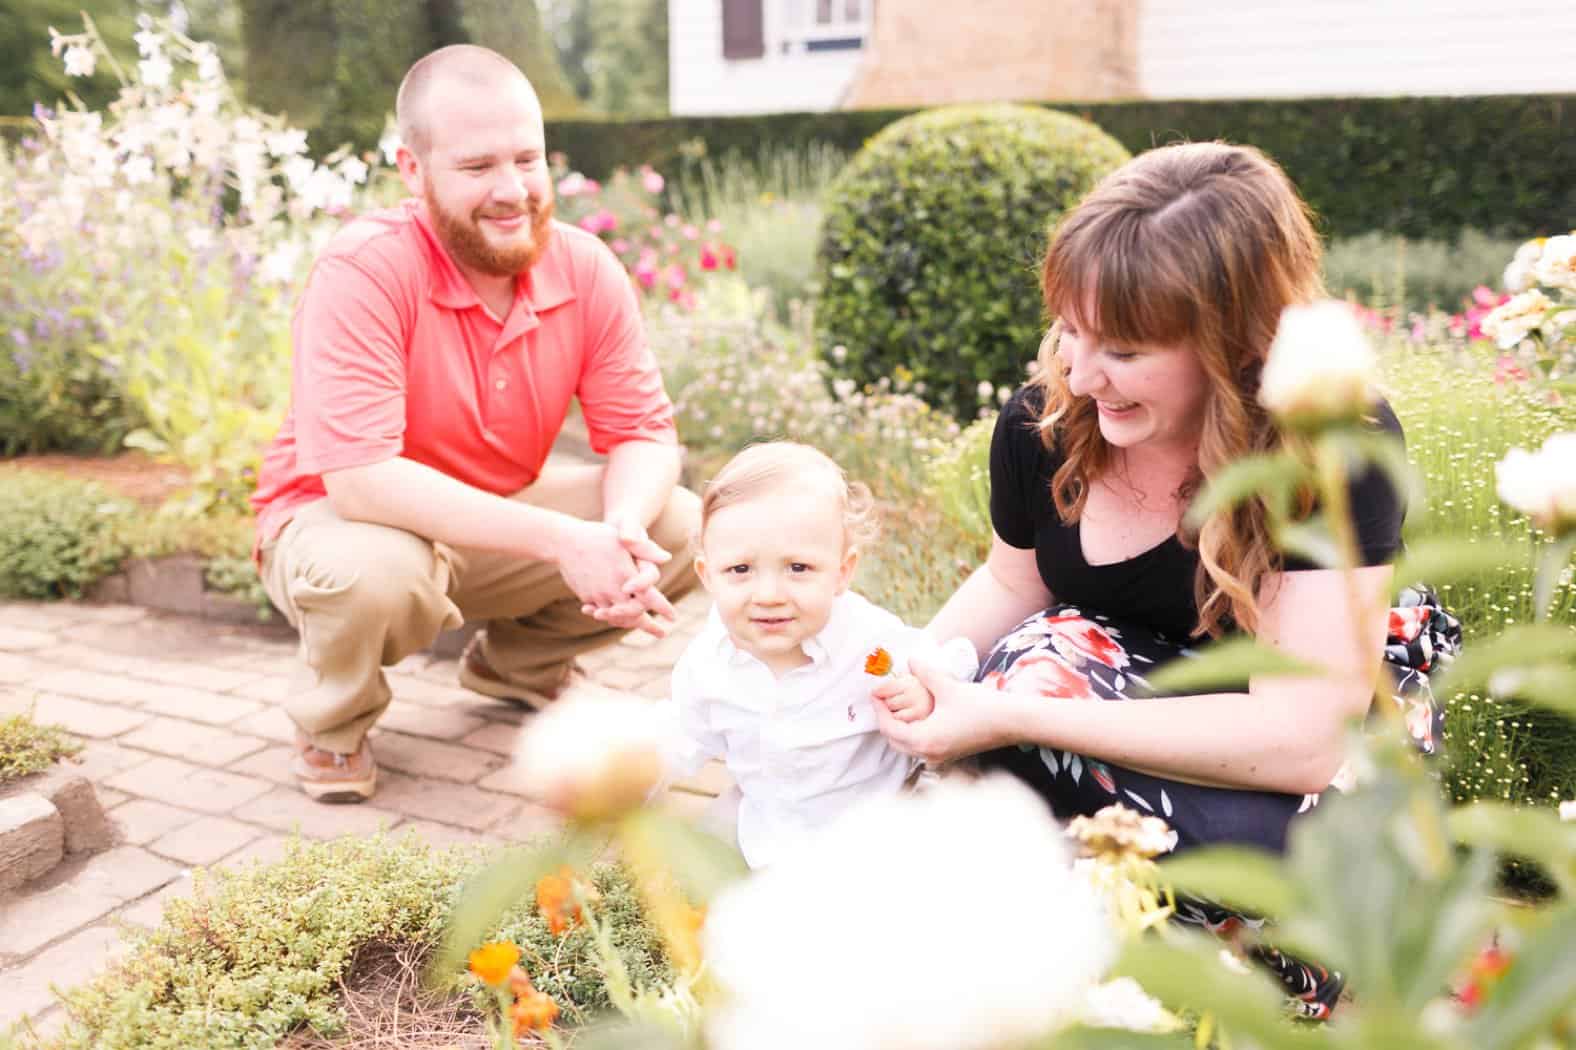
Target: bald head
<point x="471" y="68"/>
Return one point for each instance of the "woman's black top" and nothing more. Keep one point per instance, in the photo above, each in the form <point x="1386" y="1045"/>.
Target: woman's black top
<point x="1154" y="589"/>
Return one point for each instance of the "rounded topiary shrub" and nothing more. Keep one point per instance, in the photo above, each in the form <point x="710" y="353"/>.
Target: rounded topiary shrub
<point x="931" y="243"/>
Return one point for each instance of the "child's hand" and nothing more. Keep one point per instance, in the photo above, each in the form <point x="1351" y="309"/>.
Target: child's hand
<point x="905" y="697"/>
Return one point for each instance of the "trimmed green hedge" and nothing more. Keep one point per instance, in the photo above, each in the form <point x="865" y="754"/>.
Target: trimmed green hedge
<point x="930" y="239"/>
<point x="1424" y="167"/>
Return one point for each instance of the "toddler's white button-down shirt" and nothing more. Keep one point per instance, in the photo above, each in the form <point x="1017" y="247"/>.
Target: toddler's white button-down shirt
<point x="804" y="747"/>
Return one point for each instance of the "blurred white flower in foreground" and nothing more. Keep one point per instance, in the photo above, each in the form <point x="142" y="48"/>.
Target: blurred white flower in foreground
<point x="1518" y="274"/>
<point x="1542" y="484"/>
<point x="1320" y="366"/>
<point x="1568" y="810"/>
<point x="1516" y="318"/>
<point x="949" y="920"/>
<point x="80" y="61"/>
<point x="593" y="755"/>
<point x="1556" y="265"/>
<point x="1123" y="1003"/>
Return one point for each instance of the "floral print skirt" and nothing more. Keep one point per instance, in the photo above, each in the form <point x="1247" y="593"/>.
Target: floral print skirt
<point x="1067" y="653"/>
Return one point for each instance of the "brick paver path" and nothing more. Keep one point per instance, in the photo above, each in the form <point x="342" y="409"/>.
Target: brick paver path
<point x="187" y="747"/>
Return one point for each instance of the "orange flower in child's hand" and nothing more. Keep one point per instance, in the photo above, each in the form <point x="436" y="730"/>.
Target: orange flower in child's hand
<point x="492" y="962"/>
<point x="878" y="663"/>
<point x="533" y="1012"/>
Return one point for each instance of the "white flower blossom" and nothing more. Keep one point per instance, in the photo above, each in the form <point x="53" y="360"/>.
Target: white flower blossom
<point x="1123" y="1003"/>
<point x="1515" y="319"/>
<point x="1518" y="275"/>
<point x="389" y="146"/>
<point x="298" y="172"/>
<point x="287" y="143"/>
<point x="905" y="879"/>
<point x="149" y="43"/>
<point x="1542" y="484"/>
<point x="985" y="391"/>
<point x="138" y="169"/>
<point x="279" y="265"/>
<point x="354" y="170"/>
<point x="596" y="754"/>
<point x="209" y="65"/>
<point x="199" y="238"/>
<point x="1556" y="265"/>
<point x="326" y="191"/>
<point x="1320" y="366"/>
<point x="79" y="61"/>
<point x="155" y="72"/>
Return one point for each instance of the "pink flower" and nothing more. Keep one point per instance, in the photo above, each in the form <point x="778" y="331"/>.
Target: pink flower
<point x="651" y="180"/>
<point x="599" y="222"/>
<point x="592" y="186"/>
<point x="572" y="185"/>
<point x="671" y="220"/>
<point x="619" y="245"/>
<point x="708" y="258"/>
<point x="645" y="273"/>
<point x="1483" y="302"/>
<point x="689" y="232"/>
<point x="1506" y="370"/>
<point x="673" y="275"/>
<point x="729" y="259"/>
<point x="713" y="225"/>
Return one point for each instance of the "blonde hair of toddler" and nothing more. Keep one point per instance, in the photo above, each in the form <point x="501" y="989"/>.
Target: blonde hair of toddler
<point x="772" y="465"/>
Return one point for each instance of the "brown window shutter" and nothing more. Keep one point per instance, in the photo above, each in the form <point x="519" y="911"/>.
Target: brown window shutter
<point x="743" y="29"/>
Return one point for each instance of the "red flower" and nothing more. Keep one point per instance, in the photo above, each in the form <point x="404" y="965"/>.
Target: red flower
<point x="708" y="258"/>
<point x="1046" y="674"/>
<point x="1076" y="637"/>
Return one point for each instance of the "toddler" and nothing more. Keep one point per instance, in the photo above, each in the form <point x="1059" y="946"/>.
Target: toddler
<point x="776" y="684"/>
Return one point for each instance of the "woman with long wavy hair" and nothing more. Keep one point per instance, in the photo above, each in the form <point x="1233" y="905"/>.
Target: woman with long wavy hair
<point x="1167" y="283"/>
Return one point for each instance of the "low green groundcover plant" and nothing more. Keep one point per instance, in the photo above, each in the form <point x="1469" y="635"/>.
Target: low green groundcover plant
<point x="253" y="955"/>
<point x="27" y="747"/>
<point x="57" y="535"/>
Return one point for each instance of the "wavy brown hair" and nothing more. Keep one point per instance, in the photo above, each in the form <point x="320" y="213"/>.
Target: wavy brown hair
<point x="1202" y="244"/>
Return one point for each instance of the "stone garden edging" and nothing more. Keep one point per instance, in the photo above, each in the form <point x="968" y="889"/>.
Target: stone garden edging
<point x="44" y="818"/>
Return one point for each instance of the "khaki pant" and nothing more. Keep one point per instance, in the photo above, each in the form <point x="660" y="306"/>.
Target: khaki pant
<point x="365" y="596"/>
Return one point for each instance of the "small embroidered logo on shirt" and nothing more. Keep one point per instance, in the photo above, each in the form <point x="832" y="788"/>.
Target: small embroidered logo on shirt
<point x="850" y="712"/>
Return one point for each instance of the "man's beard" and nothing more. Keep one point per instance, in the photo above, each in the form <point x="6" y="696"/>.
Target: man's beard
<point x="464" y="239"/>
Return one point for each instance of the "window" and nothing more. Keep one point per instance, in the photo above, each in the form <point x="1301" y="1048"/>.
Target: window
<point x="824" y="25"/>
<point x="743" y="29"/>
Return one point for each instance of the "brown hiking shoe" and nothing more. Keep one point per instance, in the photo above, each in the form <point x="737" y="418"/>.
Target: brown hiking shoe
<point x="477" y="675"/>
<point x="328" y="776"/>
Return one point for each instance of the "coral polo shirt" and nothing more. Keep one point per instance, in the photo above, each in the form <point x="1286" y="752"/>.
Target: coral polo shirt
<point x="395" y="355"/>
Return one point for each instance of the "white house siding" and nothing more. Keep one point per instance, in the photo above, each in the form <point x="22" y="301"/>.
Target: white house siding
<point x="1290" y="48"/>
<point x="703" y="83"/>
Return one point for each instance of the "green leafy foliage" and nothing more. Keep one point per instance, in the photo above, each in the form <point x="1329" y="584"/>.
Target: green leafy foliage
<point x="57" y="535"/>
<point x="1374" y="886"/>
<point x="1414" y="273"/>
<point x="27" y="747"/>
<point x="931" y="238"/>
<point x="1422" y="167"/>
<point x="254" y="954"/>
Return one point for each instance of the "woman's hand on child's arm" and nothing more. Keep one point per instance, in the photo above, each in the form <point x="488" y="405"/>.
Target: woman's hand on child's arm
<point x="966" y="719"/>
<point x="905" y="696"/>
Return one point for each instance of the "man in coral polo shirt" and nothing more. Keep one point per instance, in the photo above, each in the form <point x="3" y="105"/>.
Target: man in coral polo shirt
<point x="437" y="348"/>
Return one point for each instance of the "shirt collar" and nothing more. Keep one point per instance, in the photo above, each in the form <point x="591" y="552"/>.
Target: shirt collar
<point x="546" y="285"/>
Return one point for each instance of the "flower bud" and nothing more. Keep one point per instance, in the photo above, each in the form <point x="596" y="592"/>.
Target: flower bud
<point x="1319" y="368"/>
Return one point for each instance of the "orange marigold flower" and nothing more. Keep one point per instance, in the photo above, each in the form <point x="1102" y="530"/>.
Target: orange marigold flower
<point x="555" y="900"/>
<point x="879" y="662"/>
<point x="492" y="962"/>
<point x="533" y="1012"/>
